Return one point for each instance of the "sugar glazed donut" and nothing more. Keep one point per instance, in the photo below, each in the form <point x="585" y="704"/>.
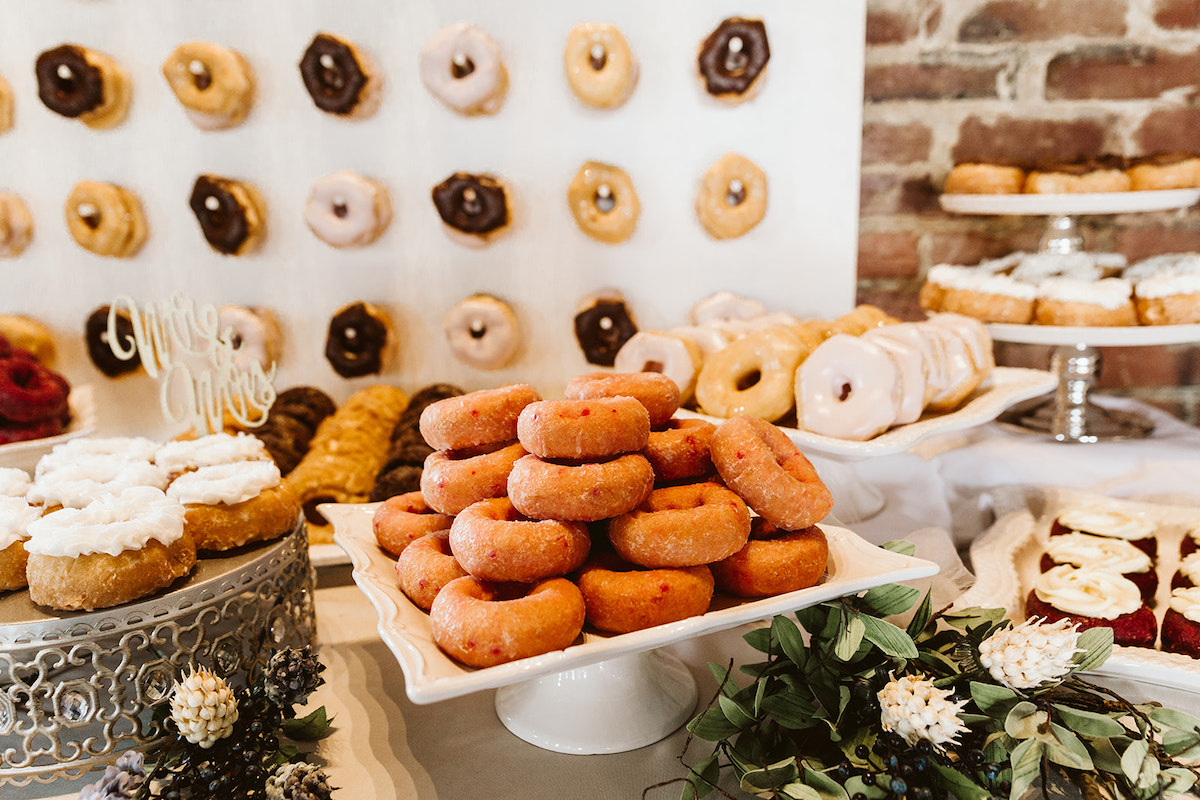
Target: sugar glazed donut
<point x="214" y="84"/>
<point x="488" y="416"/>
<point x="732" y="197"/>
<point x="474" y="208"/>
<point x="584" y="429"/>
<point x="16" y="226"/>
<point x="426" y="566"/>
<point x="450" y="482"/>
<point x="733" y="59"/>
<point x="232" y="214"/>
<point x="483" y="624"/>
<point x="657" y="392"/>
<point x="787" y="562"/>
<point x="462" y="67"/>
<point x="482" y="331"/>
<point x="493" y="541"/>
<point x="339" y="78"/>
<point x="847" y="389"/>
<point x="402" y="519"/>
<point x="83" y="84"/>
<point x="603" y="201"/>
<point x="106" y="219"/>
<point x="603" y="324"/>
<point x="677" y="358"/>
<point x="680" y="450"/>
<point x="360" y="340"/>
<point x="585" y="492"/>
<point x="754" y="375"/>
<point x="621" y="597"/>
<point x="347" y="210"/>
<point x="600" y="67"/>
<point x="768" y="471"/>
<point x="682" y="526"/>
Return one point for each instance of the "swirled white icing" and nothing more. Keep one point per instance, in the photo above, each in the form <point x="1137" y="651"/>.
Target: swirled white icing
<point x="129" y="448"/>
<point x="1168" y="284"/>
<point x="1007" y="286"/>
<point x="1187" y="602"/>
<point x="112" y="524"/>
<point x="1189" y="567"/>
<point x="1106" y="522"/>
<point x="1106" y="293"/>
<point x="226" y="484"/>
<point x="949" y="275"/>
<point x="88" y="477"/>
<point x="217" y="448"/>
<point x="1101" y="552"/>
<point x="13" y="482"/>
<point x="1088" y="592"/>
<point x="15" y="516"/>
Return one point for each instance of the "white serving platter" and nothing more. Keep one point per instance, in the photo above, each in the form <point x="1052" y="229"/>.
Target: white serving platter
<point x="1069" y="204"/>
<point x="25" y="455"/>
<point x="1116" y="336"/>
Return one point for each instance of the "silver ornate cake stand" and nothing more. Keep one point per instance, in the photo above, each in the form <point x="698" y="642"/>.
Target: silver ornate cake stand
<point x="78" y="689"/>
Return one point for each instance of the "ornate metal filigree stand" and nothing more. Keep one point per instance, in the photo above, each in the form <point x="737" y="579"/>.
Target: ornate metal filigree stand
<point x="78" y="689"/>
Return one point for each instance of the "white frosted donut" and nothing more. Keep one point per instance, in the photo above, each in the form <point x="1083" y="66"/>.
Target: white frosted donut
<point x="709" y="339"/>
<point x="726" y="305"/>
<point x="913" y="375"/>
<point x="960" y="376"/>
<point x="913" y="335"/>
<point x="462" y="67"/>
<point x="600" y="67"/>
<point x="483" y="332"/>
<point x="347" y="210"/>
<point x="974" y="333"/>
<point x="847" y="389"/>
<point x="254" y="333"/>
<point x="650" y="351"/>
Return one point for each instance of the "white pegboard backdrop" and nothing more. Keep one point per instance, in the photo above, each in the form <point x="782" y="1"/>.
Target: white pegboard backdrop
<point x="803" y="130"/>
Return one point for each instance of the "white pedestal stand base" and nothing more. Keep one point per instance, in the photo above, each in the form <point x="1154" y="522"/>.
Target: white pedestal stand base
<point x="612" y="706"/>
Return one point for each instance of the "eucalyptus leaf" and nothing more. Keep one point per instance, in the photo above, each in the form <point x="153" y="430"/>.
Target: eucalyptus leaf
<point x="1024" y="720"/>
<point x="922" y="616"/>
<point x="1180" y="780"/>
<point x="759" y="639"/>
<point x="734" y="712"/>
<point x="798" y="790"/>
<point x="702" y="778"/>
<point x="1088" y="723"/>
<point x="1026" y="761"/>
<point x="712" y="726"/>
<point x="1174" y="719"/>
<point x="889" y="599"/>
<point x="1096" y="645"/>
<point x="826" y="787"/>
<point x="813" y="618"/>
<point x="993" y="699"/>
<point x="785" y="632"/>
<point x="789" y="710"/>
<point x="970" y="617"/>
<point x="1181" y="744"/>
<point x="901" y="546"/>
<point x="721" y="673"/>
<point x="1068" y="749"/>
<point x="1133" y="760"/>
<point x="771" y="777"/>
<point x="1105" y="753"/>
<point x="851" y="635"/>
<point x="887" y="637"/>
<point x="962" y="787"/>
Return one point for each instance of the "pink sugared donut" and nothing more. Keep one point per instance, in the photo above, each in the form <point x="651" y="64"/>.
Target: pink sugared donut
<point x="401" y="520"/>
<point x="584" y="492"/>
<point x="426" y="566"/>
<point x="682" y="526"/>
<point x="476" y="418"/>
<point x="495" y="542"/>
<point x="655" y="390"/>
<point x="450" y="483"/>
<point x="600" y="427"/>
<point x="847" y="388"/>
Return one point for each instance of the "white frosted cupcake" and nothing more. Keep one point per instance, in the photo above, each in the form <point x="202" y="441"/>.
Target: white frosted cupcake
<point x="15" y="516"/>
<point x="229" y="505"/>
<point x="177" y="457"/>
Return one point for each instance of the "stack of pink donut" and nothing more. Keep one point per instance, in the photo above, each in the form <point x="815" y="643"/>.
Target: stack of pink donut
<point x="538" y="517"/>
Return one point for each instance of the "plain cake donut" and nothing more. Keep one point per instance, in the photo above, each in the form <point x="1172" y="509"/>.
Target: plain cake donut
<point x="493" y="541"/>
<point x="682" y="526"/>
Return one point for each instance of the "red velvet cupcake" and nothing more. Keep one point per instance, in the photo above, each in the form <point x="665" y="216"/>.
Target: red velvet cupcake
<point x="1188" y="574"/>
<point x="1094" y="599"/>
<point x="1102" y="552"/>
<point x="1191" y="541"/>
<point x="1181" y="623"/>
<point x="1110" y="521"/>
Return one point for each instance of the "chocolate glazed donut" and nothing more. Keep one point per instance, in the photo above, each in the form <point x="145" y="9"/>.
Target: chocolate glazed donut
<point x="602" y="328"/>
<point x="96" y="336"/>
<point x="474" y="204"/>
<point x="733" y="56"/>
<point x="356" y="342"/>
<point x="67" y="83"/>
<point x="222" y="217"/>
<point x="332" y="74"/>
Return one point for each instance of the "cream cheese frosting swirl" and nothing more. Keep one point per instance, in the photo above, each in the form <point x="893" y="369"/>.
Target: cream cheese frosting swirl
<point x="1088" y="592"/>
<point x="1106" y="522"/>
<point x="89" y="477"/>
<point x="1100" y="552"/>
<point x="15" y="516"/>
<point x="129" y="448"/>
<point x="1190" y="568"/>
<point x="1187" y="602"/>
<point x="112" y="524"/>
<point x="226" y="484"/>
<point x="13" y="482"/>
<point x="207" y="451"/>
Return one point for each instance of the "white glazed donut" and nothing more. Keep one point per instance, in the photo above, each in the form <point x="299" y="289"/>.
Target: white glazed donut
<point x="347" y="210"/>
<point x="254" y="333"/>
<point x="462" y="67"/>
<point x="913" y="334"/>
<point x="974" y="333"/>
<point x="960" y="376"/>
<point x="726" y="305"/>
<point x="914" y="376"/>
<point x="847" y="389"/>
<point x="709" y="339"/>
<point x="650" y="351"/>
<point x="483" y="332"/>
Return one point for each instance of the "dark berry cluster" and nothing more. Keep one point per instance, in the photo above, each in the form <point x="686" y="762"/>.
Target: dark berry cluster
<point x="907" y="771"/>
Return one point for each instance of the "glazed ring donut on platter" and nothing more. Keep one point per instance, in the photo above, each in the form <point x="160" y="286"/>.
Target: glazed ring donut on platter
<point x="1164" y="171"/>
<point x="345" y="209"/>
<point x="214" y="84"/>
<point x="726" y="305"/>
<point x="482" y="624"/>
<point x="600" y="67"/>
<point x="599" y="427"/>
<point x="754" y="375"/>
<point x="733" y="59"/>
<point x="768" y="471"/>
<point x="449" y="484"/>
<point x="680" y="450"/>
<point x="847" y="389"/>
<point x="785" y="563"/>
<point x="232" y="214"/>
<point x="254" y="333"/>
<point x="732" y="197"/>
<point x="96" y="336"/>
<point x="360" y="340"/>
<point x="83" y="84"/>
<point x="604" y="203"/>
<point x="493" y="541"/>
<point x="27" y="333"/>
<point x="585" y="492"/>
<point x="426" y="566"/>
<point x="474" y="208"/>
<point x="621" y="597"/>
<point x="6" y="105"/>
<point x="974" y="178"/>
<point x="16" y="226"/>
<point x="652" y="353"/>
<point x="682" y="526"/>
<point x="959" y="374"/>
<point x="475" y="419"/>
<point x="402" y="519"/>
<point x="1102" y="174"/>
<point x="603" y="324"/>
<point x="340" y="78"/>
<point x="862" y="319"/>
<point x="462" y="67"/>
<point x="482" y="331"/>
<point x="654" y="390"/>
<point x="106" y="219"/>
<point x="229" y="505"/>
<point x="912" y="373"/>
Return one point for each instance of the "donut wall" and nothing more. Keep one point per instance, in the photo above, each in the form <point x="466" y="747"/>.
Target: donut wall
<point x="802" y="129"/>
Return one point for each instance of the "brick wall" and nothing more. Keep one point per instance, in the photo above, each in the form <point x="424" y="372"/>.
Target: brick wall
<point x="958" y="80"/>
